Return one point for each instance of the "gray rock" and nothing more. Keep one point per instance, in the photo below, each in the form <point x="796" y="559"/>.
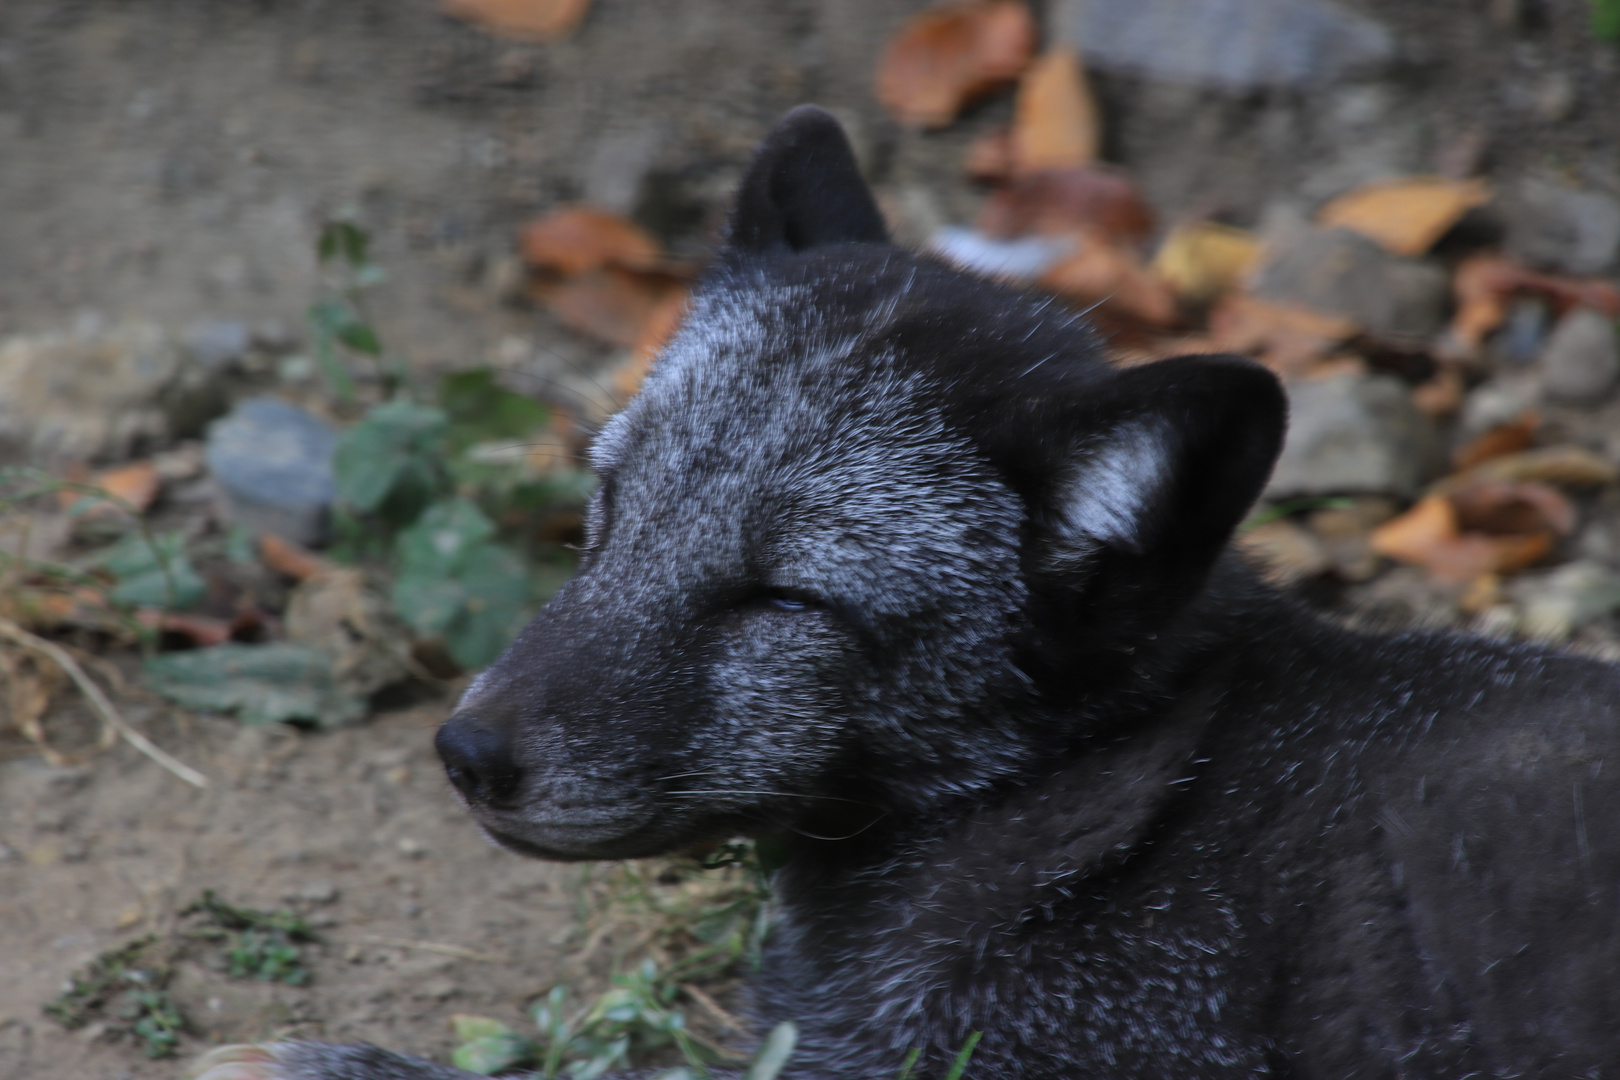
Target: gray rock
<point x="1502" y="400"/>
<point x="272" y="463"/>
<point x="1582" y="358"/>
<point x="1232" y="45"/>
<point x="1340" y="272"/>
<point x="98" y="392"/>
<point x="1556" y="604"/>
<point x="1563" y="228"/>
<point x="217" y="343"/>
<point x="1353" y="434"/>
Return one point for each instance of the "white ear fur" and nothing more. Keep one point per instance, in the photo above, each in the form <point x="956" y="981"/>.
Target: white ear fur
<point x="1107" y="493"/>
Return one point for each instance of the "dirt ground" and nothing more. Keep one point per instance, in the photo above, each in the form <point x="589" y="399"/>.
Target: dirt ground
<point x="168" y="161"/>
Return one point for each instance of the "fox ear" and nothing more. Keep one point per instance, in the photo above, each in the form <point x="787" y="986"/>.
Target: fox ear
<point x="803" y="189"/>
<point x="1177" y="452"/>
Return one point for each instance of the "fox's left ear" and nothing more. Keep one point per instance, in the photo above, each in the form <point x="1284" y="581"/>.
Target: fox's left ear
<point x="803" y="189"/>
<point x="1170" y="457"/>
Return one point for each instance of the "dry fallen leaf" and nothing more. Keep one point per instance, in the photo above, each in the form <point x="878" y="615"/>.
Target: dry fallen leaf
<point x="1289" y="340"/>
<point x="578" y="239"/>
<point x="1089" y="197"/>
<point x="1430" y="535"/>
<point x="1441" y="394"/>
<point x="1055" y="123"/>
<point x="946" y="57"/>
<point x="1506" y="508"/>
<point x="989" y="157"/>
<point x="1508" y="438"/>
<point x="1112" y="281"/>
<point x="136" y="484"/>
<point x="1565" y="466"/>
<point x="530" y="20"/>
<point x="1405" y="216"/>
<point x="1201" y="260"/>
<point x="611" y="303"/>
<point x="289" y="559"/>
<point x="1483" y="285"/>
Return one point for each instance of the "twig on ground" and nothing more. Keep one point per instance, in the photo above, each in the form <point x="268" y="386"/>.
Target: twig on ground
<point x="434" y="947"/>
<point x="110" y="716"/>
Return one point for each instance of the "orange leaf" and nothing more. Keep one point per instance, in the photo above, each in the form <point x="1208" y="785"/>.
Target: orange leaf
<point x="137" y="484"/>
<point x="1200" y="260"/>
<point x="1483" y="284"/>
<point x="530" y="20"/>
<point x="1063" y="200"/>
<point x="1430" y="535"/>
<point x="1509" y="438"/>
<point x="659" y="327"/>
<point x="290" y="560"/>
<point x="1112" y="279"/>
<point x="1405" y="216"/>
<point x="611" y="303"/>
<point x="578" y="239"/>
<point x="1503" y="508"/>
<point x="949" y="56"/>
<point x="1055" y="124"/>
<point x="1286" y="339"/>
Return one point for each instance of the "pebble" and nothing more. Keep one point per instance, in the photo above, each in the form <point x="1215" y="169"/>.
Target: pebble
<point x="317" y="892"/>
<point x="1562" y="228"/>
<point x="1339" y="272"/>
<point x="1353" y="434"/>
<point x="1556" y="604"/>
<point x="272" y="463"/>
<point x="1236" y="47"/>
<point x="217" y="343"/>
<point x="1582" y="358"/>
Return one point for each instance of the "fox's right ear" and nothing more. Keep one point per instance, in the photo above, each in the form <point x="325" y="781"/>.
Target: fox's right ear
<point x="803" y="189"/>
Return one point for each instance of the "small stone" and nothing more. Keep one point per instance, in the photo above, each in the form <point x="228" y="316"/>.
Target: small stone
<point x="1562" y="228"/>
<point x="1582" y="358"/>
<point x="273" y="465"/>
<point x="1500" y="401"/>
<point x="1556" y="604"/>
<point x="1353" y="434"/>
<point x="410" y="847"/>
<point x="439" y="988"/>
<point x="1236" y="47"/>
<point x="216" y="343"/>
<point x="1339" y="272"/>
<point x="317" y="892"/>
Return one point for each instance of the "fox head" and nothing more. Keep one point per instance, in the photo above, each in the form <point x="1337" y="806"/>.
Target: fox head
<point x="875" y="535"/>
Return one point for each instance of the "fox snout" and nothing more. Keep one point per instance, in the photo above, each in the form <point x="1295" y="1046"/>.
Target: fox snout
<point x="479" y="760"/>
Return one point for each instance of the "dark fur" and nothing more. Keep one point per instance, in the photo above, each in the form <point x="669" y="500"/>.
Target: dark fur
<point x="885" y="559"/>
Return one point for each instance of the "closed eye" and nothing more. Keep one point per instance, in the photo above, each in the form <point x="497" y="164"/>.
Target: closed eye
<point x="790" y="600"/>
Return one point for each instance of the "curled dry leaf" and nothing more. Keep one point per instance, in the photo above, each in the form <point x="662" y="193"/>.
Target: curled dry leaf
<point x="612" y="303"/>
<point x="1430" y="535"/>
<point x="1286" y="339"/>
<point x="529" y="20"/>
<point x="1112" y="281"/>
<point x="578" y="239"/>
<point x="1089" y="197"/>
<point x="947" y="57"/>
<point x="1483" y="285"/>
<point x="1509" y="438"/>
<point x="1405" y="216"/>
<point x="289" y="559"/>
<point x="1563" y="466"/>
<point x="1505" y="508"/>
<point x="136" y="484"/>
<point x="1202" y="260"/>
<point x="1055" y="123"/>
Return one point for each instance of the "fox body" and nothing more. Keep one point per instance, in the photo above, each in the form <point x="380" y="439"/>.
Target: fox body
<point x="888" y="561"/>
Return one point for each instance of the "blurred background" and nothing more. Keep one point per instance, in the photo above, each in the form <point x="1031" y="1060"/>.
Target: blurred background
<point x="308" y="308"/>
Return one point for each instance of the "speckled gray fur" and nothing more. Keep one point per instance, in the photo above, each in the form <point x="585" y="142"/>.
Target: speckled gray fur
<point x="886" y="561"/>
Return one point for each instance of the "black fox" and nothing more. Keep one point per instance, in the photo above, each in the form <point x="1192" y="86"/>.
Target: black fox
<point x="889" y="561"/>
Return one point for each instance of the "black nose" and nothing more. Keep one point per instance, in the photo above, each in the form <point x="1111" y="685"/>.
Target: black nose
<point x="478" y="760"/>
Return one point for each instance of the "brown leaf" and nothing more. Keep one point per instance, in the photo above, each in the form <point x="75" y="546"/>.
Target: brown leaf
<point x="289" y="559"/>
<point x="1483" y="285"/>
<point x="1565" y="466"/>
<point x="1111" y="280"/>
<point x="529" y="20"/>
<point x="137" y="484"/>
<point x="659" y="327"/>
<point x="1508" y="438"/>
<point x="1430" y="535"/>
<point x="578" y="239"/>
<point x="611" y="303"/>
<point x="201" y="630"/>
<point x="1406" y="216"/>
<point x="1055" y="122"/>
<point x="1286" y="339"/>
<point x="1441" y="394"/>
<point x="989" y="157"/>
<point x="1202" y="260"/>
<point x="1057" y="201"/>
<point x="948" y="56"/>
<point x="1505" y="508"/>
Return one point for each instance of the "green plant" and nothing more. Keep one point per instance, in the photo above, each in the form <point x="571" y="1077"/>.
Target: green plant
<point x="1606" y="20"/>
<point x="338" y="325"/>
<point x="261" y="945"/>
<point x="127" y="988"/>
